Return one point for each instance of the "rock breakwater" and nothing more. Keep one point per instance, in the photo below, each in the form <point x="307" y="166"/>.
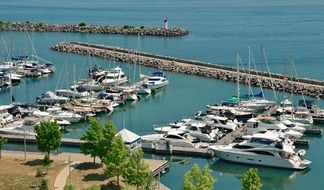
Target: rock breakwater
<point x="97" y="29"/>
<point x="309" y="87"/>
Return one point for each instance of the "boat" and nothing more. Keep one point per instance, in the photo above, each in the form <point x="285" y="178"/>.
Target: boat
<point x="113" y="77"/>
<point x="254" y="125"/>
<point x="286" y="107"/>
<point x="143" y="89"/>
<point x="58" y="114"/>
<point x="171" y="139"/>
<point x="224" y="123"/>
<point x="5" y="116"/>
<point x="301" y="115"/>
<point x="263" y="151"/>
<point x="155" y="81"/>
<point x="51" y="98"/>
<point x="315" y="111"/>
<point x="71" y="93"/>
<point x="202" y="132"/>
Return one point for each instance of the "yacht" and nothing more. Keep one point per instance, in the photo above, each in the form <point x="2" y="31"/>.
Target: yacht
<point x="286" y="107"/>
<point x="143" y="89"/>
<point x="51" y="98"/>
<point x="202" y="132"/>
<point x="239" y="113"/>
<point x="5" y="116"/>
<point x="71" y="93"/>
<point x="264" y="152"/>
<point x="315" y="111"/>
<point x="224" y="123"/>
<point x="254" y="125"/>
<point x="173" y="126"/>
<point x="155" y="81"/>
<point x="301" y="115"/>
<point x="174" y="138"/>
<point x="113" y="77"/>
<point x="58" y="114"/>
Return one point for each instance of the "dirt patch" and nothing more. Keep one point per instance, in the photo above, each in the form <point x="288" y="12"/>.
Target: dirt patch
<point x="16" y="174"/>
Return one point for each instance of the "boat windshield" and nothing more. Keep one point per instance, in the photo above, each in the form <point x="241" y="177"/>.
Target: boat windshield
<point x="261" y="141"/>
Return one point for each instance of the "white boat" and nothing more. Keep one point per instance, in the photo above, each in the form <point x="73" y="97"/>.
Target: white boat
<point x="5" y="116"/>
<point x="224" y="123"/>
<point x="173" y="139"/>
<point x="113" y="77"/>
<point x="286" y="106"/>
<point x="143" y="89"/>
<point x="263" y="152"/>
<point x="174" y="126"/>
<point x="57" y="113"/>
<point x="296" y="126"/>
<point x="202" y="132"/>
<point x="156" y="81"/>
<point x="254" y="125"/>
<point x="302" y="115"/>
<point x="71" y="93"/>
<point x="51" y="98"/>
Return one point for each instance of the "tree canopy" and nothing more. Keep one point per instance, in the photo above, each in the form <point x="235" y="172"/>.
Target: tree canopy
<point x="136" y="171"/>
<point x="48" y="136"/>
<point x="196" y="179"/>
<point x="116" y="159"/>
<point x="93" y="139"/>
<point x="251" y="180"/>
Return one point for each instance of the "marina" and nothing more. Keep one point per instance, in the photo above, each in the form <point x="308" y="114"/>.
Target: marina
<point x="217" y="32"/>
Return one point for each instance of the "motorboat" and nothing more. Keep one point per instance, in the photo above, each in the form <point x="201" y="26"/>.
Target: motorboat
<point x="155" y="81"/>
<point x="315" y="111"/>
<point x="254" y="125"/>
<point x="5" y="116"/>
<point x="239" y="113"/>
<point x="263" y="152"/>
<point x="113" y="77"/>
<point x="296" y="126"/>
<point x="58" y="114"/>
<point x="71" y="93"/>
<point x="286" y="107"/>
<point x="224" y="123"/>
<point x="144" y="89"/>
<point x="301" y="115"/>
<point x="51" y="98"/>
<point x="171" y="139"/>
<point x="202" y="132"/>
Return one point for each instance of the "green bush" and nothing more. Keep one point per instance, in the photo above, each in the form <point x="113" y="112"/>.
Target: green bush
<point x="82" y="24"/>
<point x="69" y="187"/>
<point x="127" y="27"/>
<point x="27" y="22"/>
<point x="94" y="188"/>
<point x="142" y="27"/>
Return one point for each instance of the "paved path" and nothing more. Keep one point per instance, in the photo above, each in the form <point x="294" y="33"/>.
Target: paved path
<point x="62" y="177"/>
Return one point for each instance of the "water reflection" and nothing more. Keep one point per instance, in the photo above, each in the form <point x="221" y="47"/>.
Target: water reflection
<point x="272" y="178"/>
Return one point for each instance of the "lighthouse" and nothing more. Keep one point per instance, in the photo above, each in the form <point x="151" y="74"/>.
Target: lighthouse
<point x="165" y="20"/>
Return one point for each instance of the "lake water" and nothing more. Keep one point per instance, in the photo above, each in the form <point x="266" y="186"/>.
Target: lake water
<point x="217" y="30"/>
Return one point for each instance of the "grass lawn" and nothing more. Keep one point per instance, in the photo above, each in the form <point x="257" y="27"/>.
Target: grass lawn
<point x="16" y="174"/>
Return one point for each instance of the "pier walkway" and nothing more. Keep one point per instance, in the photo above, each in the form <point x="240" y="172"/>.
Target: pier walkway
<point x="309" y="87"/>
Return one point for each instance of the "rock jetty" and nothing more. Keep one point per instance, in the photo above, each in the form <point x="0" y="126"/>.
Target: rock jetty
<point x="308" y="87"/>
<point x="96" y="29"/>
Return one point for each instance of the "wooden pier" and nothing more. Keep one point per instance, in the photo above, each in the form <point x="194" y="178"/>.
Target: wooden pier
<point x="309" y="87"/>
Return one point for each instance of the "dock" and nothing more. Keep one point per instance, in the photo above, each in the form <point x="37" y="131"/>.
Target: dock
<point x="32" y="139"/>
<point x="305" y="86"/>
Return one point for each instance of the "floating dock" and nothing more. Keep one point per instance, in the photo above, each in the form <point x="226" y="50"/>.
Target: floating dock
<point x="309" y="87"/>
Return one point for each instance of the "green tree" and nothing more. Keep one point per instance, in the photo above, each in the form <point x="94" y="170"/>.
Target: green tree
<point x="44" y="185"/>
<point x="93" y="139"/>
<point x="115" y="160"/>
<point x="251" y="180"/>
<point x="48" y="136"/>
<point x="3" y="141"/>
<point x="109" y="133"/>
<point x="136" y="171"/>
<point x="196" y="179"/>
<point x="82" y="24"/>
<point x="150" y="182"/>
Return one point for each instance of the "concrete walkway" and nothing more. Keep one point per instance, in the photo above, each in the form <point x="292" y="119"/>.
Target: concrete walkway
<point x="62" y="177"/>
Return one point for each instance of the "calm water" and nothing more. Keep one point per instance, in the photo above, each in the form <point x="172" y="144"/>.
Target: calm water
<point x="218" y="29"/>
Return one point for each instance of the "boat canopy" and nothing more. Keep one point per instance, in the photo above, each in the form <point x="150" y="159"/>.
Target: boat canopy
<point x="158" y="74"/>
<point x="19" y="57"/>
<point x="306" y="103"/>
<point x="259" y="95"/>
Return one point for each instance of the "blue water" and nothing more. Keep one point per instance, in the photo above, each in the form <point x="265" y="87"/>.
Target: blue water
<point x="217" y="30"/>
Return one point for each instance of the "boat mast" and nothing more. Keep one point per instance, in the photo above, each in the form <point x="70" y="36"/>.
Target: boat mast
<point x="263" y="54"/>
<point x="238" y="76"/>
<point x="249" y="78"/>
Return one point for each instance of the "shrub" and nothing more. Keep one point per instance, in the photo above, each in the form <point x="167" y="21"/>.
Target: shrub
<point x="142" y="27"/>
<point x="82" y="24"/>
